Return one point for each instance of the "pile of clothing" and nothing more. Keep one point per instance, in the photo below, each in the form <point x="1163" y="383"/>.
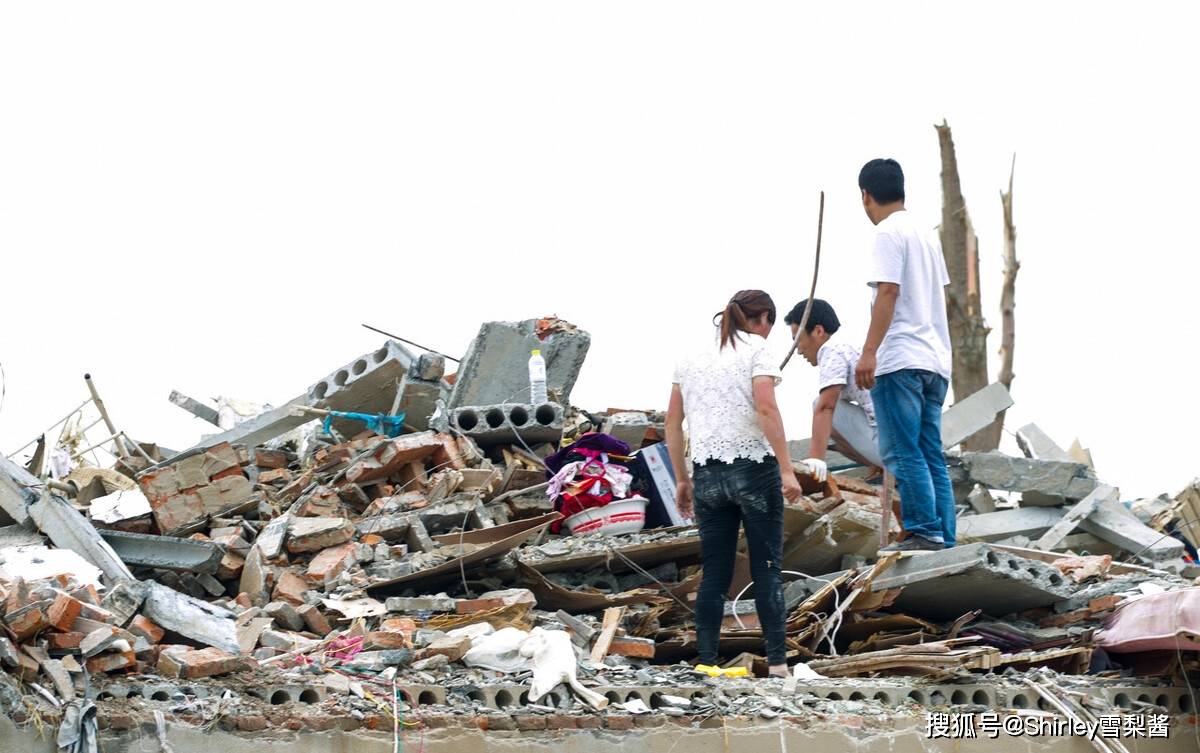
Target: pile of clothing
<point x="590" y="472"/>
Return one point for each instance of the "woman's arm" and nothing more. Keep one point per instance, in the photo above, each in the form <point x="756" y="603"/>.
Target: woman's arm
<point x="771" y="424"/>
<point x="683" y="481"/>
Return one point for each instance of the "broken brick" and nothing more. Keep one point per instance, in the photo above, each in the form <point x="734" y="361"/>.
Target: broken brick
<point x="111" y="662"/>
<point x="290" y="588"/>
<point x="451" y="647"/>
<point x="28" y="621"/>
<point x="140" y="626"/>
<point x="264" y="458"/>
<point x="68" y="641"/>
<point x="330" y="563"/>
<point x="275" y="475"/>
<point x="208" y="662"/>
<point x="634" y="648"/>
<point x="63" y="612"/>
<point x="315" y="620"/>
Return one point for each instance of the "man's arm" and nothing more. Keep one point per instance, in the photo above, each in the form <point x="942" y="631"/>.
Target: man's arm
<point x="683" y="481"/>
<point x="771" y="424"/>
<point x="822" y="424"/>
<point x="882" y="312"/>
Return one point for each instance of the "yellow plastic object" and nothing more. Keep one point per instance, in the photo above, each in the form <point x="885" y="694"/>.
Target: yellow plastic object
<point x="712" y="671"/>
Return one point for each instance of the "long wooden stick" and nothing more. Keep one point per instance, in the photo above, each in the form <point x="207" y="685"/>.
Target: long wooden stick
<point x="813" y="290"/>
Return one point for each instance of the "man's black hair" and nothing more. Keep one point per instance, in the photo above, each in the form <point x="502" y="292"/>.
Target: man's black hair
<point x="883" y="179"/>
<point x="822" y="313"/>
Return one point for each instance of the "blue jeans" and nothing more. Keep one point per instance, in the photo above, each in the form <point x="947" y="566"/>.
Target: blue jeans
<point x="728" y="496"/>
<point x="908" y="409"/>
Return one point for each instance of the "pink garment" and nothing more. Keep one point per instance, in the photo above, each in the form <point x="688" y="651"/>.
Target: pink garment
<point x="1158" y="622"/>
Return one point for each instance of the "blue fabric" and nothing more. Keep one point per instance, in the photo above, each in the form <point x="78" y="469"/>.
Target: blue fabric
<point x="390" y="426"/>
<point x="908" y="409"/>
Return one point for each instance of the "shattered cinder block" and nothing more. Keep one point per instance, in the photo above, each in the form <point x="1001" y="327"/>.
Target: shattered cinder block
<point x="497" y="424"/>
<point x="285" y="615"/>
<point x="628" y="426"/>
<point x="451" y="647"/>
<point x="421" y="389"/>
<point x="315" y="534"/>
<point x="945" y="585"/>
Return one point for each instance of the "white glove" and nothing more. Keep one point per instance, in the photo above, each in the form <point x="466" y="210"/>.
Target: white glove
<point x="816" y="468"/>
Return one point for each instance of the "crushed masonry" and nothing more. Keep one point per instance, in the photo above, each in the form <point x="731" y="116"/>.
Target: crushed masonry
<point x="286" y="573"/>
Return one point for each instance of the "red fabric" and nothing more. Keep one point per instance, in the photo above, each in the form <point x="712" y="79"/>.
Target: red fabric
<point x="1166" y="621"/>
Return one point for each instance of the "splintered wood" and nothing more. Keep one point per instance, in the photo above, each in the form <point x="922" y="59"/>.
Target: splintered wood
<point x="608" y="629"/>
<point x="936" y="659"/>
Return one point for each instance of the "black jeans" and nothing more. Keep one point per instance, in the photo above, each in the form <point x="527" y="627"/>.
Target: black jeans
<point x="728" y="496"/>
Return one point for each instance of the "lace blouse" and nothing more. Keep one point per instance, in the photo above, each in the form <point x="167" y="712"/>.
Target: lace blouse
<point x="718" y="400"/>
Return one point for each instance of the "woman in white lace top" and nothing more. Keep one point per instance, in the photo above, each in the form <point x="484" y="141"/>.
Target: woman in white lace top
<point x="728" y="396"/>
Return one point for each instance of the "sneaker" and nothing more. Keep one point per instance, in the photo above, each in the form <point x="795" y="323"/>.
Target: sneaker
<point x="914" y="543"/>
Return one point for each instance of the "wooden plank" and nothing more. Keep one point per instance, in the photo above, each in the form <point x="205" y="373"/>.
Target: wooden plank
<point x="1078" y="512"/>
<point x="608" y="629"/>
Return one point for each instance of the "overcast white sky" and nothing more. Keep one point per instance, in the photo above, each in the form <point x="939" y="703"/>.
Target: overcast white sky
<point x="211" y="197"/>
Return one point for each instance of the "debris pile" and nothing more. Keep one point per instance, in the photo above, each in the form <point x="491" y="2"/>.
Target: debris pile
<point x="395" y="532"/>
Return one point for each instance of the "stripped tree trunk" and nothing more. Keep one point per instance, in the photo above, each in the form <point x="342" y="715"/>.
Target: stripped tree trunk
<point x="1008" y="293"/>
<point x="968" y="331"/>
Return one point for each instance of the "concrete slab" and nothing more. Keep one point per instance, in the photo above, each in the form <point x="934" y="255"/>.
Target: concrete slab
<point x="262" y="428"/>
<point x="166" y="552"/>
<point x="845" y="530"/>
<point x="1112" y="522"/>
<point x="1036" y="444"/>
<point x="421" y="389"/>
<point x="1082" y="509"/>
<point x="1041" y="482"/>
<point x="994" y="526"/>
<point x="195" y="407"/>
<point x="973" y="413"/>
<point x="68" y="529"/>
<point x="17" y="491"/>
<point x="495" y="369"/>
<point x="948" y="584"/>
<point x="500" y="424"/>
<point x="368" y="384"/>
<point x="191" y="618"/>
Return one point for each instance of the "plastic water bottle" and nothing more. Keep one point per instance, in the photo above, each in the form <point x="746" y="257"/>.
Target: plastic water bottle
<point x="537" y="378"/>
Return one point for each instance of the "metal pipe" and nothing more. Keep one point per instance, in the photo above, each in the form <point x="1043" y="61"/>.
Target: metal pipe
<point x="56" y="423"/>
<point x="98" y="445"/>
<point x="121" y="450"/>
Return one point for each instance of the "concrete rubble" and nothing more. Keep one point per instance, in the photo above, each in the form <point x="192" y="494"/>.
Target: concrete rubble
<point x="284" y="580"/>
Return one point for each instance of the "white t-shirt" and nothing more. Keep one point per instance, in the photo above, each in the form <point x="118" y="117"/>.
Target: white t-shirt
<point x="836" y="363"/>
<point x="919" y="337"/>
<point x="718" y="399"/>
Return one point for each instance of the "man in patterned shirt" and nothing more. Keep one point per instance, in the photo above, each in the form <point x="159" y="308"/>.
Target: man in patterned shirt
<point x="842" y="411"/>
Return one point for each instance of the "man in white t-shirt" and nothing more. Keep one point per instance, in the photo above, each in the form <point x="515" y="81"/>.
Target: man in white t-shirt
<point x="906" y="359"/>
<point x="842" y="411"/>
